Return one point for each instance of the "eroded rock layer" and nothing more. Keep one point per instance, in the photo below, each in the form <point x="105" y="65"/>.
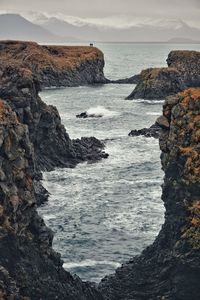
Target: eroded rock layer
<point x="29" y="268"/>
<point x="19" y="87"/>
<point x="170" y="268"/>
<point x="183" y="72"/>
<point x="55" y="65"/>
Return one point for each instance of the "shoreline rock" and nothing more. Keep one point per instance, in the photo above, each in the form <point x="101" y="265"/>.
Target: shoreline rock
<point x="53" y="147"/>
<point x="154" y="130"/>
<point x="29" y="267"/>
<point x="170" y="267"/>
<point x="183" y="71"/>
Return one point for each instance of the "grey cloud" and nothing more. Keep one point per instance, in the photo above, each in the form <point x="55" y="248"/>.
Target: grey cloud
<point x="97" y="8"/>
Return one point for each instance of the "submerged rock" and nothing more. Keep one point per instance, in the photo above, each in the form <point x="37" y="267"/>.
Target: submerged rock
<point x="170" y="268"/>
<point x="157" y="83"/>
<point x="85" y="115"/>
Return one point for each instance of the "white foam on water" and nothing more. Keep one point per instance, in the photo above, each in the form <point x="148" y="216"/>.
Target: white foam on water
<point x="90" y="263"/>
<point x="153" y="113"/>
<point x="147" y="101"/>
<point x="101" y="111"/>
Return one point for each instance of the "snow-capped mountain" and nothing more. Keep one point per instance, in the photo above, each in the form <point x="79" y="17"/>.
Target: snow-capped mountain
<point x="47" y="28"/>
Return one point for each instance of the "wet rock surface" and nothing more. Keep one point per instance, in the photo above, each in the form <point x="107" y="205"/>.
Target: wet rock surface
<point x="170" y="268"/>
<point x="29" y="268"/>
<point x="152" y="131"/>
<point x="85" y="115"/>
<point x="52" y="145"/>
<point x="157" y="83"/>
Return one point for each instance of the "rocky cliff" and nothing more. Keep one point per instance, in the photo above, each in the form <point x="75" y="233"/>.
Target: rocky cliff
<point x="183" y="72"/>
<point x="170" y="268"/>
<point x="55" y="65"/>
<point x="53" y="147"/>
<point x="29" y="268"/>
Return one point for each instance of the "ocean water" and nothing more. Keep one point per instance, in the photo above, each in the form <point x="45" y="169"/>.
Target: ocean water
<point x="104" y="213"/>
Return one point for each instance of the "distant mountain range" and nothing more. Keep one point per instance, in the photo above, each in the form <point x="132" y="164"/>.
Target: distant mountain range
<point x="14" y="26"/>
<point x="52" y="29"/>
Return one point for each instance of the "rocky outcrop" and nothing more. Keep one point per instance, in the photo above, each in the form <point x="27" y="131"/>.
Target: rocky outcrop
<point x="154" y="130"/>
<point x="52" y="145"/>
<point x="85" y="115"/>
<point x="170" y="268"/>
<point x="29" y="268"/>
<point x="156" y="83"/>
<point x="188" y="64"/>
<point x="55" y="65"/>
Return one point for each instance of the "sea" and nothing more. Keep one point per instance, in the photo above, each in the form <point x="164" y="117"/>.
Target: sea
<point x="105" y="213"/>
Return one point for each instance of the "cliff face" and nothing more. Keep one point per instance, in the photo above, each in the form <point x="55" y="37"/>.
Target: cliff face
<point x="188" y="64"/>
<point x="170" y="268"/>
<point x="55" y="65"/>
<point x="157" y="83"/>
<point x="19" y="87"/>
<point x="29" y="268"/>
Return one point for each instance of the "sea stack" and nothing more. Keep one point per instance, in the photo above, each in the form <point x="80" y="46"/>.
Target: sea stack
<point x="183" y="72"/>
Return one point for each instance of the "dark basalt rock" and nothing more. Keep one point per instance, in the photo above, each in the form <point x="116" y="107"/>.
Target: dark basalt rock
<point x="85" y="115"/>
<point x="131" y="80"/>
<point x="52" y="145"/>
<point x="170" y="268"/>
<point x="29" y="268"/>
<point x="153" y="131"/>
<point x="157" y="83"/>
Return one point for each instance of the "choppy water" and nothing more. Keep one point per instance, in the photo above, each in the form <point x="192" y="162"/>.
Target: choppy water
<point x="104" y="213"/>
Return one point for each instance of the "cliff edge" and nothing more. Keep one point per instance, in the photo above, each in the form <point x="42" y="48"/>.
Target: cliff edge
<point x="55" y="66"/>
<point x="19" y="87"/>
<point x="170" y="268"/>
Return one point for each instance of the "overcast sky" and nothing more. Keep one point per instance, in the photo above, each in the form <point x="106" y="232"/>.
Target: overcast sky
<point x="188" y="10"/>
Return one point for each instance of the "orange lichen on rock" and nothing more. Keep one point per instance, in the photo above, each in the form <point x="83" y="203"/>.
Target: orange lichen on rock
<point x="192" y="231"/>
<point x="189" y="95"/>
<point x="60" y="57"/>
<point x="5" y="117"/>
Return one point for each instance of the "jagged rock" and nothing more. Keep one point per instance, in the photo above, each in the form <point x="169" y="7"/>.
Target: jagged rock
<point x="85" y="115"/>
<point x="157" y="83"/>
<point x="29" y="268"/>
<point x="52" y="145"/>
<point x="170" y="268"/>
<point x="153" y="131"/>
